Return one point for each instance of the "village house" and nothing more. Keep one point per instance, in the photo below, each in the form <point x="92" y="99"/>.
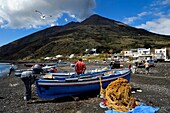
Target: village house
<point x="139" y="54"/>
<point x="161" y="54"/>
<point x="146" y="54"/>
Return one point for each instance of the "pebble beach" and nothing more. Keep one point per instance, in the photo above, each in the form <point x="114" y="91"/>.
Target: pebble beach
<point x="155" y="91"/>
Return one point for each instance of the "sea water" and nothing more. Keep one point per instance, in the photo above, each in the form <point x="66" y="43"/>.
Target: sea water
<point x="4" y="69"/>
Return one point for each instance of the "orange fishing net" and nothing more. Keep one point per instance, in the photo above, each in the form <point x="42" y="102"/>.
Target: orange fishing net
<point x="118" y="95"/>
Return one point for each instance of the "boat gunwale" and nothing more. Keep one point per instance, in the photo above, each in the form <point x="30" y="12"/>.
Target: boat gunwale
<point x="48" y="82"/>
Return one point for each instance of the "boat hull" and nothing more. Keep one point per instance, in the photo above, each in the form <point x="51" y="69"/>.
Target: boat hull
<point x="56" y="89"/>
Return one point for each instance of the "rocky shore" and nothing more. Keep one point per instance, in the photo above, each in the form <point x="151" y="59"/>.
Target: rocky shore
<point x="155" y="91"/>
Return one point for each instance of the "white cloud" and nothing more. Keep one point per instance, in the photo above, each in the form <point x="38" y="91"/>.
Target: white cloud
<point x="161" y="23"/>
<point x="160" y="2"/>
<point x="165" y="2"/>
<point x="66" y="19"/>
<point x="156" y="19"/>
<point x="52" y="25"/>
<point x="130" y="20"/>
<point x="160" y="26"/>
<point x="1" y="21"/>
<point x="21" y="13"/>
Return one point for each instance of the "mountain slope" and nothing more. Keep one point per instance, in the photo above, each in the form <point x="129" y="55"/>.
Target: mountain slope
<point x="94" y="32"/>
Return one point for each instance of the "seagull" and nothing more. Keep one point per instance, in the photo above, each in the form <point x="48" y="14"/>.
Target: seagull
<point x="43" y="16"/>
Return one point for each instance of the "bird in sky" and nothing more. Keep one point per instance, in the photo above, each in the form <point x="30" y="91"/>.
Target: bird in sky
<point x="43" y="16"/>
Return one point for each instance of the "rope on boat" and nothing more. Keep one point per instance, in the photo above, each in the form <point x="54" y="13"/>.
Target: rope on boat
<point x="118" y="95"/>
<point x="102" y="91"/>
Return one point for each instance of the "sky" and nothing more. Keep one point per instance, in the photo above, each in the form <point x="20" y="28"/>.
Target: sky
<point x="19" y="18"/>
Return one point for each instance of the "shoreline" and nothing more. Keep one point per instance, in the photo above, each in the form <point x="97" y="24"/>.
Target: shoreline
<point x="155" y="90"/>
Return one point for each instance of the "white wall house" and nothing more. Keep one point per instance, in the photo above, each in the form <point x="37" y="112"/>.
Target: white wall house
<point x="145" y="57"/>
<point x="127" y="53"/>
<point x="161" y="53"/>
<point x="139" y="54"/>
<point x="144" y="54"/>
<point x="118" y="57"/>
<point x="130" y="53"/>
<point x="134" y="53"/>
<point x="144" y="51"/>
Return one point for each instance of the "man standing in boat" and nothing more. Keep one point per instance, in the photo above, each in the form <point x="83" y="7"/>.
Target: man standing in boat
<point x="53" y="69"/>
<point x="80" y="66"/>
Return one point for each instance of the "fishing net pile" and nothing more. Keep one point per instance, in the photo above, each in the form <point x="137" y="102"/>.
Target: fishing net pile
<point x="118" y="95"/>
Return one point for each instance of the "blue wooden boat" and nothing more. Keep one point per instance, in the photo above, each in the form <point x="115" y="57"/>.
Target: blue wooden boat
<point x="55" y="88"/>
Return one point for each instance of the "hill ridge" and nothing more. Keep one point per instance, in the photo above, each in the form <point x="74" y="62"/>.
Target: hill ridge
<point x="94" y="32"/>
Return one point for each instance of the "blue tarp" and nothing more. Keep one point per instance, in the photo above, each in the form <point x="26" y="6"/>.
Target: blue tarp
<point x="143" y="108"/>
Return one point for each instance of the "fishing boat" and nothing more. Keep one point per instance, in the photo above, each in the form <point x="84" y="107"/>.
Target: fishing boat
<point x="55" y="88"/>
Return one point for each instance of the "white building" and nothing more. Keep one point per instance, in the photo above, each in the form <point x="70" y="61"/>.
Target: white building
<point x="161" y="54"/>
<point x="144" y="54"/>
<point x="139" y="54"/>
<point x="71" y="56"/>
<point x="134" y="53"/>
<point x="144" y="51"/>
<point x="127" y="53"/>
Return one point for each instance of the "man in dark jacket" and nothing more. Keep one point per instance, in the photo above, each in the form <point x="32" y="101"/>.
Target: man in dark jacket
<point x="29" y="77"/>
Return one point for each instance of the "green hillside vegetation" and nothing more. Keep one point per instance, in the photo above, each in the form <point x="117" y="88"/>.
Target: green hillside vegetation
<point x="94" y="32"/>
